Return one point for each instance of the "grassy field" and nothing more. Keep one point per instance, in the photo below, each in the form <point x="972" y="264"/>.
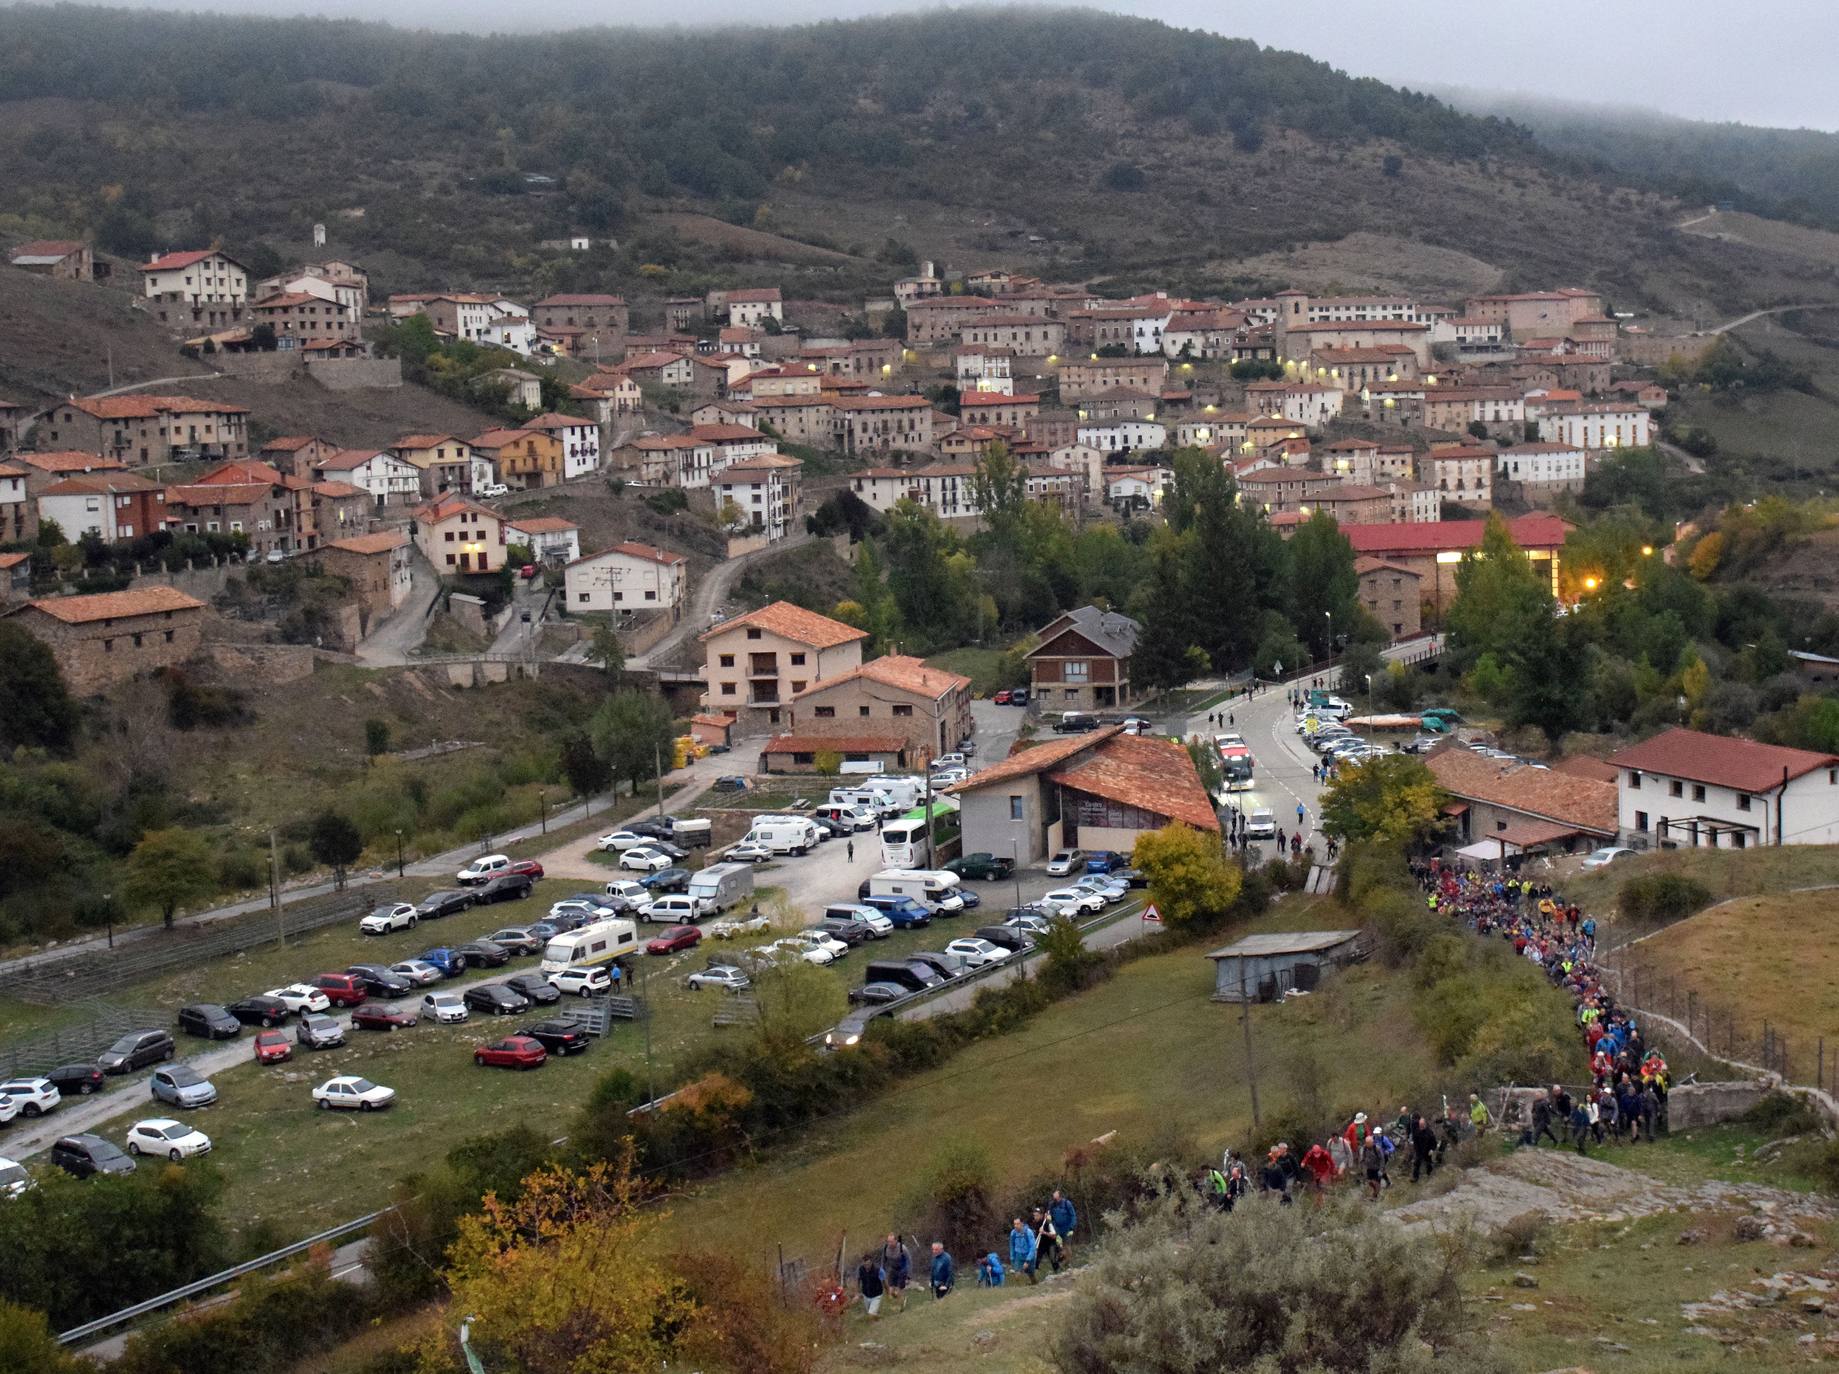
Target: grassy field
<point x="1727" y="873"/>
<point x="984" y="667"/>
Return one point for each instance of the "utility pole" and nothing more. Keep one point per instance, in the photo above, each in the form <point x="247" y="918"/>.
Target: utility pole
<point x="657" y="764"/>
<point x="926" y="759"/>
<point x="274" y="884"/>
<point x="1245" y="1024"/>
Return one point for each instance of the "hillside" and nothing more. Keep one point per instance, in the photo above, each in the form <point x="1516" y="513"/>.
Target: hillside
<point x="58" y="337"/>
<point x="1087" y="145"/>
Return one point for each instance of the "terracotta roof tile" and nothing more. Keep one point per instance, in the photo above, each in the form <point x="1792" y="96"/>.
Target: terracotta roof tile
<point x="1431" y="536"/>
<point x="542" y="524"/>
<point x="815" y="744"/>
<point x="69" y="460"/>
<point x="1587" y="803"/>
<point x="901" y="672"/>
<point x="1722" y="760"/>
<point x="794" y="623"/>
<point x="81" y="610"/>
<point x="381" y="542"/>
<point x="1156" y="775"/>
<point x="1037" y="758"/>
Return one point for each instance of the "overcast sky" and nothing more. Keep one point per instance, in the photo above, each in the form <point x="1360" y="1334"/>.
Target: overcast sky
<point x="1757" y="61"/>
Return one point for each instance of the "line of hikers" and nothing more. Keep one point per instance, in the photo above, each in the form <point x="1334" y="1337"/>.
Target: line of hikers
<point x="887" y="1272"/>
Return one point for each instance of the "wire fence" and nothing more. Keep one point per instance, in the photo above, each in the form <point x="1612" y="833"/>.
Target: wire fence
<point x="98" y="971"/>
<point x="1728" y="1030"/>
<point x="80" y="1040"/>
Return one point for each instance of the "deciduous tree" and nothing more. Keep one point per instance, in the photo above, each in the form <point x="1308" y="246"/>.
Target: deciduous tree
<point x="632" y="731"/>
<point x="335" y="842"/>
<point x="35" y="708"/>
<point x="167" y="869"/>
<point x="1393" y="797"/>
<point x="1190" y="880"/>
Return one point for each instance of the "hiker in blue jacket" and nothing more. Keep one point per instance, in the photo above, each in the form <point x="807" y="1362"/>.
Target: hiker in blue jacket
<point x="1065" y="1217"/>
<point x="1024" y="1253"/>
<point x="944" y="1271"/>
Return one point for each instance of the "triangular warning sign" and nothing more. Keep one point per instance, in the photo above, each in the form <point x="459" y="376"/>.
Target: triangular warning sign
<point x="1151" y="914"/>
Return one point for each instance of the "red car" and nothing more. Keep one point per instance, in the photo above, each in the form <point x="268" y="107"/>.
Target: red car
<point x="526" y="866"/>
<point x="1001" y="698"/>
<point x="381" y="1016"/>
<point x="513" y="1052"/>
<point x="342" y="989"/>
<point x="674" y="939"/>
<point x="273" y="1047"/>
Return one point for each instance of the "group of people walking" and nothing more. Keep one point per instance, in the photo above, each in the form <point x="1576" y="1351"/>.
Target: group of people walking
<point x="886" y="1273"/>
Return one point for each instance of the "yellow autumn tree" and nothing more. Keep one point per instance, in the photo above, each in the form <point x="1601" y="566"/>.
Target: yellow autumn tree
<point x="561" y="1281"/>
<point x="1189" y="878"/>
<point x="1706" y="555"/>
<point x="1393" y="797"/>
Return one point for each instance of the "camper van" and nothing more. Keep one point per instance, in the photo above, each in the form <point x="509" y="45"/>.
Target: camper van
<point x="599" y="943"/>
<point x="783" y="834"/>
<point x="873" y="798"/>
<point x="904" y="792"/>
<point x="721" y="886"/>
<point x="932" y="887"/>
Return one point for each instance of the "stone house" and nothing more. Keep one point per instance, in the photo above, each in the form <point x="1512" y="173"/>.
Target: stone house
<point x="60" y="259"/>
<point x="18" y="510"/>
<point x="757" y="662"/>
<point x="882" y="424"/>
<point x="1389" y="592"/>
<point x="998" y="408"/>
<point x="110" y="637"/>
<point x="195" y="288"/>
<point x="1087" y="377"/>
<point x="895" y="695"/>
<point x="379" y="567"/>
<point x="445" y="462"/>
<point x="297" y="317"/>
<point x="143" y="431"/>
<point x="604" y="319"/>
<point x="259" y="510"/>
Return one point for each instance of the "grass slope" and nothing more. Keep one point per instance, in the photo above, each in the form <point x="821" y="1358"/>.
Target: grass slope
<point x="59" y="337"/>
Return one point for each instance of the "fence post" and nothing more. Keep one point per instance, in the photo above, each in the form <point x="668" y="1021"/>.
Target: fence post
<point x="1819" y="1073"/>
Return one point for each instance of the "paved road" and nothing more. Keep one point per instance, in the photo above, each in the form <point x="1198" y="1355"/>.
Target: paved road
<point x="392" y="640"/>
<point x="1742" y="320"/>
<point x="708" y="597"/>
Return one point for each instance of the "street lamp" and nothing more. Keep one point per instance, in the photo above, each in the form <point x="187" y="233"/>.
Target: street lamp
<point x="108" y="914"/>
<point x="542" y="800"/>
<point x="398" y="853"/>
<point x="1369" y="693"/>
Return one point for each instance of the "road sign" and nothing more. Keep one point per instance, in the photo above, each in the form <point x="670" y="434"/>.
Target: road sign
<point x="1151" y="914"/>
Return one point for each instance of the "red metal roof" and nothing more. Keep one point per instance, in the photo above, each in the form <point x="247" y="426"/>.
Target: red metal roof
<point x="1721" y="760"/>
<point x="1440" y="536"/>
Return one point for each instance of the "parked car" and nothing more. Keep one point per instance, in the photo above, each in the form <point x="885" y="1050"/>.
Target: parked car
<point x="952" y="760"/>
<point x="723" y="976"/>
<point x="162" y="1135"/>
<point x="1031" y="921"/>
<point x="747" y="852"/>
<point x="379" y="981"/>
<point x="389" y="917"/>
<point x="948" y="777"/>
<point x="505" y="887"/>
<point x="535" y="987"/>
<point x="74" y="1080"/>
<point x="343" y="989"/>
<point x="319" y="1033"/>
<point x="654" y="827"/>
<point x="183" y="1086"/>
<point x="1009" y="937"/>
<point x="1018" y="696"/>
<point x="1105" y="886"/>
<point x="445" y="1007"/>
<point x="260" y="1010"/>
<point x="728" y="928"/>
<point x="582" y="980"/>
<point x="517" y="939"/>
<point x="448" y="903"/>
<point x="730" y="782"/>
<point x="1066" y="862"/>
<point x="512" y="1052"/>
<point x="86" y="1155"/>
<point x="982" y="867"/>
<point x="790" y="948"/>
<point x="34" y="1096"/>
<point x="273" y="1047"/>
<point x="622" y="840"/>
<point x="673" y="939"/>
<point x="978" y="952"/>
<point x="529" y="868"/>
<point x="820" y="938"/>
<point x="1074" y="901"/>
<point x="672" y="879"/>
<point x="484" y="954"/>
<point x="946" y="965"/>
<point x="1131" y="877"/>
<point x="383" y="1016"/>
<point x="904" y="912"/>
<point x="1001" y="698"/>
<point x="495" y="999"/>
<point x="209" y="1021"/>
<point x="450" y="962"/>
<point x="14" y="1180"/>
<point x="353" y="1093"/>
<point x="558" y="1037"/>
<point x="1103" y="860"/>
<point x="829" y="828"/>
<point x="587" y="905"/>
<point x="300" y="997"/>
<point x="877" y="994"/>
<point x="136" y="1050"/>
<point x="644" y="859"/>
<point x="625" y="892"/>
<point x="850" y="932"/>
<point x="1608" y="854"/>
<point x="417" y="973"/>
<point x="482" y="868"/>
<point x="966" y="898"/>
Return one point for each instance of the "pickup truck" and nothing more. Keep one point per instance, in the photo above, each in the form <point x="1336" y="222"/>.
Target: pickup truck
<point x="981" y="867"/>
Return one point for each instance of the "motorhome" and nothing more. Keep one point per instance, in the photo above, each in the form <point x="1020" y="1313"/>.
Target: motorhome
<point x="720" y="887"/>
<point x="935" y="888"/>
<point x="602" y="942"/>
<point x="783" y="834"/>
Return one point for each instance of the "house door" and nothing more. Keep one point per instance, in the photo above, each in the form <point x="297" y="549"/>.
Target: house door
<point x="465" y="562"/>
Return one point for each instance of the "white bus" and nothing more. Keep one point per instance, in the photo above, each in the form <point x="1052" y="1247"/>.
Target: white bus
<point x="903" y="840"/>
<point x="599" y="943"/>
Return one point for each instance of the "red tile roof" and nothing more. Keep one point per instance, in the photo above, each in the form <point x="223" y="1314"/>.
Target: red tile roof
<point x="425" y="440"/>
<point x="81" y="610"/>
<point x="1568" y="798"/>
<point x="171" y="261"/>
<point x="48" y="248"/>
<point x="752" y="294"/>
<point x="841" y="744"/>
<point x="998" y="398"/>
<point x="1436" y="536"/>
<point x="900" y="672"/>
<point x="1721" y="760"/>
<point x="145" y="407"/>
<point x="542" y="524"/>
<point x="1038" y="758"/>
<point x="794" y="623"/>
<point x="219" y="494"/>
<point x="381" y="542"/>
<point x="719" y="434"/>
<point x="1155" y="775"/>
<point x="69" y="460"/>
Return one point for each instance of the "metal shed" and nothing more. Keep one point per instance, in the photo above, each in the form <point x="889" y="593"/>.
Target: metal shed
<point x="1261" y="968"/>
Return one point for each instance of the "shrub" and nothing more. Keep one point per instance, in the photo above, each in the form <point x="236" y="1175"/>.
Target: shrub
<point x="266" y="1326"/>
<point x="954" y="1199"/>
<point x="1519" y="1236"/>
<point x="1658" y="897"/>
<point x="1781" y="1114"/>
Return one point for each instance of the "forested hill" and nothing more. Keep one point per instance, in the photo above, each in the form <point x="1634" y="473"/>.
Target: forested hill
<point x="1117" y="145"/>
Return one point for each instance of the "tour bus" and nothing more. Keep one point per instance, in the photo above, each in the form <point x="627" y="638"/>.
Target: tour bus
<point x="599" y="943"/>
<point x="1236" y="764"/>
<point x="934" y="887"/>
<point x="903" y="841"/>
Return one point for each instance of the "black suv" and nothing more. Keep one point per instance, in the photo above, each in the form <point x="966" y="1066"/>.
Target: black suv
<point x="558" y="1037"/>
<point x="495" y="998"/>
<point x="260" y="1010"/>
<point x="136" y="1050"/>
<point x="484" y="954"/>
<point x="210" y="1021"/>
<point x="535" y="987"/>
<point x="84" y="1155"/>
<point x="445" y="903"/>
<point x="76" y="1080"/>
<point x="505" y="887"/>
<point x="379" y="981"/>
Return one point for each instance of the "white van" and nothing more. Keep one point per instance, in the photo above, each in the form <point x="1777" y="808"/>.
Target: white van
<point x="481" y="869"/>
<point x="873" y="798"/>
<point x="599" y="943"/>
<point x="858" y="767"/>
<point x="783" y="834"/>
<point x="721" y="886"/>
<point x="676" y="909"/>
<point x="932" y="886"/>
<point x="905" y="792"/>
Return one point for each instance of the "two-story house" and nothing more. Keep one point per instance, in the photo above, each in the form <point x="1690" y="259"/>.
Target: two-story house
<point x="444" y="461"/>
<point x="928" y="709"/>
<point x="1081" y="660"/>
<point x="627" y="577"/>
<point x="392" y="483"/>
<point x="882" y="424"/>
<point x="18" y="512"/>
<point x="111" y="505"/>
<point x="143" y="431"/>
<point x="110" y="637"/>
<point x="299" y="316"/>
<point x="763" y="492"/>
<point x="1688" y="789"/>
<point x="459" y="536"/>
<point x="551" y="538"/>
<point x="757" y="662"/>
<point x="580" y="440"/>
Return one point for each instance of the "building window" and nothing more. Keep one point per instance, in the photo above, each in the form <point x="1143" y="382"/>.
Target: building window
<point x="1698" y="791"/>
<point x="752" y="633"/>
<point x="824" y="712"/>
<point x="727" y="689"/>
<point x="1016" y="812"/>
<point x="862" y="711"/>
<point x="1676" y="788"/>
<point x="798" y="660"/>
<point x="108" y="646"/>
<point x="168" y="634"/>
<point x="903" y="710"/>
<point x="1634" y="781"/>
<point x="726" y="660"/>
<point x="1078" y="671"/>
<point x="1743" y="801"/>
<point x="1641" y="820"/>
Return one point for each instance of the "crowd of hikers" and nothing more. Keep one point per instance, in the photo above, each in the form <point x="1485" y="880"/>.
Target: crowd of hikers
<point x="1624" y="1103"/>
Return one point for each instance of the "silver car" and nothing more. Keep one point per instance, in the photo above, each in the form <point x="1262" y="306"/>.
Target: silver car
<point x="183" y="1087"/>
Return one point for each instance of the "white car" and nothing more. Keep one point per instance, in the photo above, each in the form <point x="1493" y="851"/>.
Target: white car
<point x="576" y="906"/>
<point x="643" y="859"/>
<point x="1066" y="861"/>
<point x="747" y="852"/>
<point x="738" y="925"/>
<point x="948" y="777"/>
<point x="977" y="952"/>
<point x="1608" y="854"/>
<point x="445" y="1006"/>
<point x="395" y="916"/>
<point x="622" y="840"/>
<point x="418" y="972"/>
<point x="14" y="1179"/>
<point x="1106" y="887"/>
<point x="163" y="1136"/>
<point x="493" y="489"/>
<point x="723" y="976"/>
<point x="482" y="868"/>
<point x="1261" y="825"/>
<point x="949" y="761"/>
<point x="630" y="892"/>
<point x="8" y="1110"/>
<point x="353" y="1093"/>
<point x="811" y="954"/>
<point x="822" y="939"/>
<point x="582" y="980"/>
<point x="1074" y="900"/>
<point x="301" y="998"/>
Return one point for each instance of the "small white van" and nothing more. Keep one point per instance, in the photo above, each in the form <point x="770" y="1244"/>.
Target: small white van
<point x="933" y="887"/>
<point x="481" y="869"/>
<point x="676" y="909"/>
<point x="783" y="834"/>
